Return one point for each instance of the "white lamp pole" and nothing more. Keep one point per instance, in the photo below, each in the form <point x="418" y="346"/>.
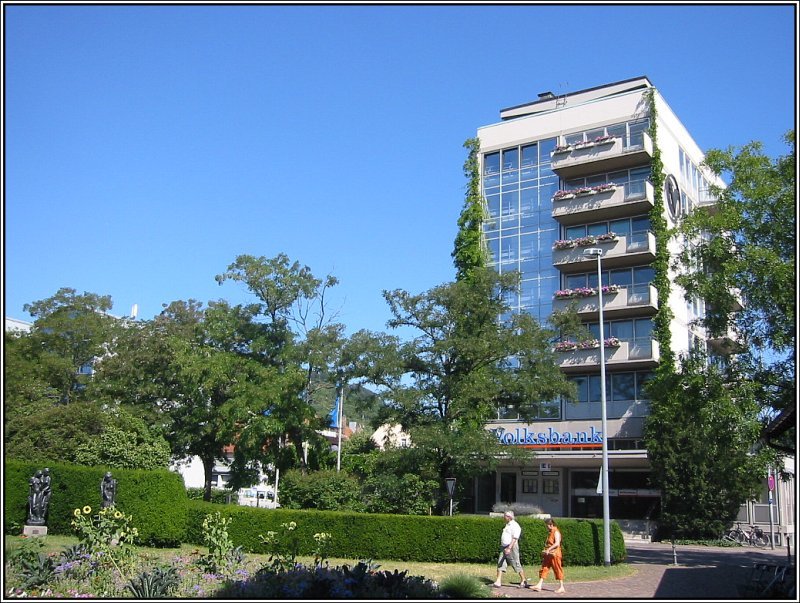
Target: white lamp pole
<point x="596" y="251"/>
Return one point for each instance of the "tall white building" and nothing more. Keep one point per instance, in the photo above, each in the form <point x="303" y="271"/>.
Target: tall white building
<point x="559" y="175"/>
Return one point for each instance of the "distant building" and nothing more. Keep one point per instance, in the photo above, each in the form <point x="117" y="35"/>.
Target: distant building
<point x="14" y="324"/>
<point x="391" y="436"/>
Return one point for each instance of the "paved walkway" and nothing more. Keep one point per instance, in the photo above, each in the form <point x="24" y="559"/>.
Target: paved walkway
<point x="701" y="573"/>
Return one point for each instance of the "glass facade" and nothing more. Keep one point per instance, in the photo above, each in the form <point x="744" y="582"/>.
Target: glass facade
<point x="518" y="185"/>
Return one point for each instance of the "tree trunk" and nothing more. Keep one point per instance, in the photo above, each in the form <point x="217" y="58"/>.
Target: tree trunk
<point x="208" y="471"/>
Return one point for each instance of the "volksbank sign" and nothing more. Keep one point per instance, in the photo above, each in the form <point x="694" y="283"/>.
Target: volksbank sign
<point x="522" y="436"/>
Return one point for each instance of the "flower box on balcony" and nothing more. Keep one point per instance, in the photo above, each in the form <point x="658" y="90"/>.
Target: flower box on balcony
<point x="583" y="292"/>
<point x="565" y="148"/>
<point x="589" y="344"/>
<point x="584" y="192"/>
<point x="564" y="244"/>
<point x="583" y="145"/>
<point x="607" y="237"/>
<point x="604" y="188"/>
<point x="563" y="195"/>
<point x="604" y="139"/>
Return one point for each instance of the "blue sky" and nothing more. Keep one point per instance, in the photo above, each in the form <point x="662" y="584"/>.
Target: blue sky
<point x="147" y="146"/>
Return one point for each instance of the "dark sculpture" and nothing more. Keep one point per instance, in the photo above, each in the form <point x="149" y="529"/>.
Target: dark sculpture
<point x="108" y="490"/>
<point x="38" y="497"/>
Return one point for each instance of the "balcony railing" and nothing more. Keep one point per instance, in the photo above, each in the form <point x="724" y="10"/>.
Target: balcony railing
<point x="625" y="250"/>
<point x="625" y="301"/>
<point x="630" y="199"/>
<point x="640" y="353"/>
<point x="572" y="161"/>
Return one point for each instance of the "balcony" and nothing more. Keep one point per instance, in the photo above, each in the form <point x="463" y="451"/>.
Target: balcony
<point x="726" y="344"/>
<point x="626" y="250"/>
<point x="707" y="201"/>
<point x="625" y="200"/>
<point x="604" y="157"/>
<point x="641" y="300"/>
<point x="638" y="354"/>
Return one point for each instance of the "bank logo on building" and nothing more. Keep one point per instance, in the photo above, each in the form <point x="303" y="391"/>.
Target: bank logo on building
<point x="528" y="438"/>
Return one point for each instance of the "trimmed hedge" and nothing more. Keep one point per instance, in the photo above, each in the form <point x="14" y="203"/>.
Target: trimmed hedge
<point x="156" y="499"/>
<point x="460" y="539"/>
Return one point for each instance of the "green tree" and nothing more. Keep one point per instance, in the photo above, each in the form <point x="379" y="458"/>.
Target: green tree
<point x="443" y="385"/>
<point x="69" y="332"/>
<point x="745" y="247"/>
<point x="700" y="435"/>
<point x="196" y="373"/>
<point x="86" y="433"/>
<point x="299" y="335"/>
<point x="26" y="387"/>
<point x="469" y="251"/>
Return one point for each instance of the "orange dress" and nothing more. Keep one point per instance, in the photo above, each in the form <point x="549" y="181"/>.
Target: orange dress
<point x="552" y="560"/>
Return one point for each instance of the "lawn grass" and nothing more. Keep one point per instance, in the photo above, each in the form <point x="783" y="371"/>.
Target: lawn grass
<point x="485" y="572"/>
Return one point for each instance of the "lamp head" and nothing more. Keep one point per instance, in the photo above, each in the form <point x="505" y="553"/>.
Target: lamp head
<point x="593" y="251"/>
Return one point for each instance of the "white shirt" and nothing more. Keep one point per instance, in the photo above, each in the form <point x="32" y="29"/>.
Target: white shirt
<point x="511" y="531"/>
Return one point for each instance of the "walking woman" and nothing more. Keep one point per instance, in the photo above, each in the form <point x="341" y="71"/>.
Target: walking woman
<point x="551" y="557"/>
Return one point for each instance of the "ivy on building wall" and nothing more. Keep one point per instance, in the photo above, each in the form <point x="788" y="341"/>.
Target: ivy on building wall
<point x="658" y="222"/>
<point x="470" y="250"/>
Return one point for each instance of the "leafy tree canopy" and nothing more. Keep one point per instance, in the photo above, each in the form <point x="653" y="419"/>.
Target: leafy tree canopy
<point x="744" y="250"/>
<point x="444" y="384"/>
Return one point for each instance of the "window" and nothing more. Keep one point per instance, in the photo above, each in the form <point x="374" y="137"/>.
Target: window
<point x="491" y="164"/>
<point x="511" y="159"/>
<point x="623" y="386"/>
<point x="530" y="486"/>
<point x="550" y="485"/>
<point x="530" y="155"/>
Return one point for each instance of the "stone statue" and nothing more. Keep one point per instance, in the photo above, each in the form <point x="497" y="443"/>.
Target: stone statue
<point x="46" y="490"/>
<point x="36" y="509"/>
<point x="108" y="490"/>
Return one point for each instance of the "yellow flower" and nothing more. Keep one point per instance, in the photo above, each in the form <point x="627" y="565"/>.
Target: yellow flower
<point x="77" y="512"/>
<point x="117" y="515"/>
<point x="87" y="509"/>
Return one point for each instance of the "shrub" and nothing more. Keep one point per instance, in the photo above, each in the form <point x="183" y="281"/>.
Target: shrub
<point x="325" y="490"/>
<point x="518" y="508"/>
<point x="407" y="495"/>
<point x="463" y="586"/>
<point x="459" y="539"/>
<point x="156" y="499"/>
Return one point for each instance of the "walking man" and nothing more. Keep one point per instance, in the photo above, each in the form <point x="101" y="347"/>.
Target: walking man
<point x="509" y="550"/>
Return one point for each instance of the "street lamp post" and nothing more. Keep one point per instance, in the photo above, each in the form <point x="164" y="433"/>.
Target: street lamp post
<point x="598" y="253"/>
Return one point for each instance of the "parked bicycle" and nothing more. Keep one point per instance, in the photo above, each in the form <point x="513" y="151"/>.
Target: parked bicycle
<point x="755" y="536"/>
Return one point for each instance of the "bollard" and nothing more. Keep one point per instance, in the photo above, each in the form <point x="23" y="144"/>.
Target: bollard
<point x="788" y="548"/>
<point x="674" y="554"/>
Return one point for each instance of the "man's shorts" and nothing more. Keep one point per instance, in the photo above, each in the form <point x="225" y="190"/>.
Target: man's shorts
<point x="513" y="558"/>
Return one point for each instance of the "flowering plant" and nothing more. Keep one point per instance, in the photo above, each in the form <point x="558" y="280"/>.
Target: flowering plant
<point x="602" y="139"/>
<point x="606" y="186"/>
<point x="564" y="244"/>
<point x="577" y="292"/>
<point x="563" y="194"/>
<point x="583" y="291"/>
<point x="608" y="236"/>
<point x="562" y="148"/>
<point x="565" y="346"/>
<point x="109" y="533"/>
<point x="584" y="190"/>
<point x="585" y="241"/>
<point x="588" y="344"/>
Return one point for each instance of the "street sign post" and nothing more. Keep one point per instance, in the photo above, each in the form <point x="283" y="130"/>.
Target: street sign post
<point x="451" y="488"/>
